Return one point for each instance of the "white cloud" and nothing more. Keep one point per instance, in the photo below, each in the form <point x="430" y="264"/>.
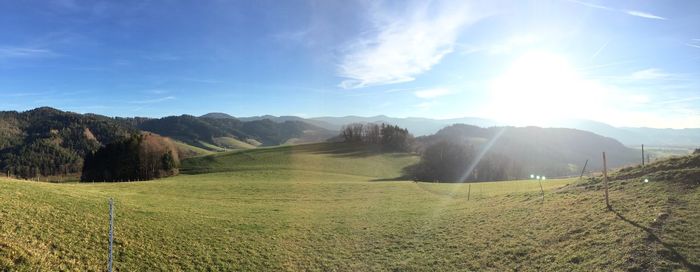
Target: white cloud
<point x="694" y="43"/>
<point x="628" y="12"/>
<point x="649" y="74"/>
<point x="432" y="93"/>
<point x="591" y="5"/>
<point x="25" y="52"/>
<point x="150" y="101"/>
<point x="644" y="14"/>
<point x="402" y="46"/>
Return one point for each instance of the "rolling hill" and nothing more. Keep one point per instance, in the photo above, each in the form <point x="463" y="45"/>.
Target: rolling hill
<point x="541" y="151"/>
<point x="222" y="131"/>
<point x="324" y="207"/>
<point x="631" y="136"/>
<point x="48" y="142"/>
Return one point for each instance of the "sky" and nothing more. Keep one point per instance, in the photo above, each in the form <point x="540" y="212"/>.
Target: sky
<point x="626" y="63"/>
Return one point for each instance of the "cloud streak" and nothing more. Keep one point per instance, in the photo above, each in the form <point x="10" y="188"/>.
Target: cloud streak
<point x="401" y="47"/>
<point x="151" y="101"/>
<point x="644" y="15"/>
<point x="636" y="13"/>
<point x="25" y="52"/>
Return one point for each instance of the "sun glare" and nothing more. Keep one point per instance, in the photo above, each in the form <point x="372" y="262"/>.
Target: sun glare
<point x="538" y="87"/>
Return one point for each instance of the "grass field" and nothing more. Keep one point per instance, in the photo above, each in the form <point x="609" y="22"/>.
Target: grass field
<point x="190" y="150"/>
<point x="320" y="208"/>
<point x="232" y="143"/>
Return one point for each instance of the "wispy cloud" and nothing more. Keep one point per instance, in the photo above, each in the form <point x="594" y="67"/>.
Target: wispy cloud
<point x="636" y="13"/>
<point x="644" y="14"/>
<point x="649" y="74"/>
<point x="24" y="94"/>
<point x="694" y="43"/>
<point x="432" y="93"/>
<point x="151" y="101"/>
<point x="25" y="52"/>
<point x="591" y="5"/>
<point x="402" y="47"/>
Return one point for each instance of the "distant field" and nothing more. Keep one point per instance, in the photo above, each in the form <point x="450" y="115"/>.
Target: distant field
<point x="315" y="208"/>
<point x="232" y="143"/>
<point x="191" y="151"/>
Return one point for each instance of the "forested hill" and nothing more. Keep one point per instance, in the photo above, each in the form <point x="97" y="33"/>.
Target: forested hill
<point x="47" y="142"/>
<point x="205" y="131"/>
<point x="541" y="151"/>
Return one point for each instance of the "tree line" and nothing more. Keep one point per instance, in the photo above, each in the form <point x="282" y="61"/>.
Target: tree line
<point x="388" y="137"/>
<point x="141" y="157"/>
<point x="447" y="161"/>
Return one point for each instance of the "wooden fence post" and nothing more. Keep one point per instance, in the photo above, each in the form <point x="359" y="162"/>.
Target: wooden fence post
<point x="470" y="191"/>
<point x="541" y="190"/>
<point x="583" y="170"/>
<point x="605" y="180"/>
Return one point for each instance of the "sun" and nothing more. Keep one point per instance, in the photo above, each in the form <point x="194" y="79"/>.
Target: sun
<point x="537" y="88"/>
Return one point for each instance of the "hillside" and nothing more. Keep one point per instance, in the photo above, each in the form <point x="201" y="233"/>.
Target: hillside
<point x="48" y="142"/>
<point x="339" y="158"/>
<point x="541" y="151"/>
<point x="630" y="136"/>
<point x="291" y="214"/>
<point x="231" y="133"/>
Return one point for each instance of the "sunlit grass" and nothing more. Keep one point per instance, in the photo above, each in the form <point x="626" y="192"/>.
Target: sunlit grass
<point x="307" y="219"/>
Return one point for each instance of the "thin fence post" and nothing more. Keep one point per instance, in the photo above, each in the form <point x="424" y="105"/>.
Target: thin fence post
<point x="111" y="233"/>
<point x="605" y="179"/>
<point x="583" y="170"/>
<point x="470" y="191"/>
<point x="642" y="155"/>
<point x="542" y="190"/>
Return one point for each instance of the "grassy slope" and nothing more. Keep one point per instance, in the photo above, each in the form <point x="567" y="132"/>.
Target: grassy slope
<point x="191" y="151"/>
<point x="324" y="157"/>
<point x="317" y="218"/>
<point x="232" y="143"/>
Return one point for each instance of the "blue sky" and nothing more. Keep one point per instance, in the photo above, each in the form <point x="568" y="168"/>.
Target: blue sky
<point x="627" y="63"/>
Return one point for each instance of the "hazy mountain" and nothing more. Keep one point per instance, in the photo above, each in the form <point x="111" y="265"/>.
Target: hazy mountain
<point x="204" y="131"/>
<point x="217" y="115"/>
<point x="426" y="126"/>
<point x="416" y="125"/>
<point x="637" y="136"/>
<point x="541" y="151"/>
<point x="281" y="119"/>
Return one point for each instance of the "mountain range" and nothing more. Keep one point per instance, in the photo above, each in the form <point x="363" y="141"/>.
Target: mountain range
<point x="631" y="136"/>
<point x="47" y="141"/>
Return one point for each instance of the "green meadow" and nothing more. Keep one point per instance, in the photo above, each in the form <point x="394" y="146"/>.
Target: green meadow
<point x="332" y="207"/>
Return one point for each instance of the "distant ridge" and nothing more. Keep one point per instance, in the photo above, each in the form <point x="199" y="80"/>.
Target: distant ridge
<point x="631" y="136"/>
<point x="217" y="115"/>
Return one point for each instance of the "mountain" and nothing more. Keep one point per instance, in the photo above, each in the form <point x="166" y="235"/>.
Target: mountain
<point x="281" y="119"/>
<point x="631" y="136"/>
<point x="416" y="125"/>
<point x="217" y="115"/>
<point x="541" y="151"/>
<point x="215" y="130"/>
<point x="47" y="141"/>
<point x="635" y="135"/>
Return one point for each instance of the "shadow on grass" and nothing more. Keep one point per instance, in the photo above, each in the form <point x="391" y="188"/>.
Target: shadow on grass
<point x="345" y="150"/>
<point x="653" y="238"/>
<point x="392" y="179"/>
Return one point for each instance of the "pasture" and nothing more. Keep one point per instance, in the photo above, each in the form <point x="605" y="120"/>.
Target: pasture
<point x="320" y="209"/>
